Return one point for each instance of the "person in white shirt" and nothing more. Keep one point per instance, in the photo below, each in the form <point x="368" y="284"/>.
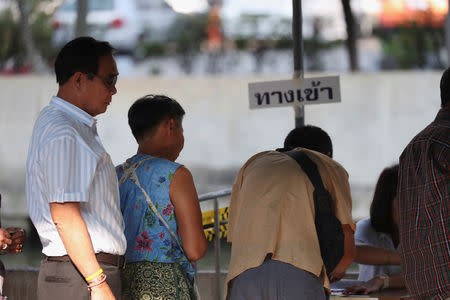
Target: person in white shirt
<point x="377" y="240"/>
<point x="71" y="184"/>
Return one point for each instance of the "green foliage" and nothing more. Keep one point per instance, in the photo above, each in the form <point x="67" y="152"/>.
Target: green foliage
<point x="241" y="43"/>
<point x="312" y="45"/>
<point x="147" y="49"/>
<point x="12" y="45"/>
<point x="42" y="31"/>
<point x="188" y="31"/>
<point x="284" y="43"/>
<point x="409" y="47"/>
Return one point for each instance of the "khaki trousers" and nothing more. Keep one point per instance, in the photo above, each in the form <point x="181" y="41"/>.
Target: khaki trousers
<point x="61" y="280"/>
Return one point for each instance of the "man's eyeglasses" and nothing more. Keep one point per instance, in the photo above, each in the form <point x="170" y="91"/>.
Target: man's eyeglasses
<point x="109" y="82"/>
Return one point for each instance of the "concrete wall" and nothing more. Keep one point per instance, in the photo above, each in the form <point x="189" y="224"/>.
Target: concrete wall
<point x="379" y="114"/>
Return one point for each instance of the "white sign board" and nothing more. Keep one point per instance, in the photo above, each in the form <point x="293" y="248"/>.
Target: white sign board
<point x="317" y="90"/>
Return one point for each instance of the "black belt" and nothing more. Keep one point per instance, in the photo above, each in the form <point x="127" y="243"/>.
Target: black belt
<point x="112" y="259"/>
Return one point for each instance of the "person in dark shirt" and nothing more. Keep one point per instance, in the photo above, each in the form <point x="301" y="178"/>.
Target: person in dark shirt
<point x="423" y="203"/>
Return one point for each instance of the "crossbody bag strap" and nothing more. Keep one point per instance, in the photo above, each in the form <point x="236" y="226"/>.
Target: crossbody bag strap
<point x="130" y="172"/>
<point x="322" y="204"/>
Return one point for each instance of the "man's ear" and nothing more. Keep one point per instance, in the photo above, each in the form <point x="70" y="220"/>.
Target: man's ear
<point x="77" y="80"/>
<point x="166" y="126"/>
<point x="172" y="124"/>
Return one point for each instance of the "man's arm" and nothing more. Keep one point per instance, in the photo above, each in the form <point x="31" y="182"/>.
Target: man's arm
<point x="75" y="237"/>
<point x="349" y="254"/>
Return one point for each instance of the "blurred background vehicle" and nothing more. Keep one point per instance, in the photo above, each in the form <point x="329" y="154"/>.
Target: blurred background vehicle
<point x="115" y="21"/>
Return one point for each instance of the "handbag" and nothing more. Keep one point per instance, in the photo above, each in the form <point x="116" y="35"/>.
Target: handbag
<point x="328" y="227"/>
<point x="130" y="172"/>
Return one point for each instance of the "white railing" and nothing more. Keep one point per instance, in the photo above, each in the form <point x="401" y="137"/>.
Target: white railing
<point x="214" y="196"/>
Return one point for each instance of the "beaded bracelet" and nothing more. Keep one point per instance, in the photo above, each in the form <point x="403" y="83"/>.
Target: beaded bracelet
<point x="89" y="278"/>
<point x="97" y="281"/>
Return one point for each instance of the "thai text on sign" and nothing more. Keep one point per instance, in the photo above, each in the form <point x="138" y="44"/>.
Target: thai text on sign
<point x="304" y="91"/>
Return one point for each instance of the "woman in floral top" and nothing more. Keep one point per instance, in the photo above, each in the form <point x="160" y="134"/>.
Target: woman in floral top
<point x="160" y="207"/>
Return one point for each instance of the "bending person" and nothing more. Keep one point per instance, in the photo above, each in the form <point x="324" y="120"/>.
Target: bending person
<point x="159" y="203"/>
<point x="275" y="251"/>
<point x="377" y="239"/>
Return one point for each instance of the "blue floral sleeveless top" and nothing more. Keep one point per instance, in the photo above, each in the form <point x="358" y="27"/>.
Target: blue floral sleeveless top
<point x="147" y="237"/>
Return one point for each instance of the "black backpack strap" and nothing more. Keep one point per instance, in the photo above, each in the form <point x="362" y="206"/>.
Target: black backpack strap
<point x="322" y="199"/>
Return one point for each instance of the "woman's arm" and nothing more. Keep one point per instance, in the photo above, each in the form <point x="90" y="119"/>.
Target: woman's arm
<point x="377" y="283"/>
<point x="187" y="211"/>
<point x="369" y="255"/>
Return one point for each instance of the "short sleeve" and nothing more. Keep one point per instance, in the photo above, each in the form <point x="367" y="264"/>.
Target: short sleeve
<point x="68" y="167"/>
<point x="363" y="232"/>
<point x="341" y="193"/>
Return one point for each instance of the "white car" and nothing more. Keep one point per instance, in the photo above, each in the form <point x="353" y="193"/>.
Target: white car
<point x="115" y="21"/>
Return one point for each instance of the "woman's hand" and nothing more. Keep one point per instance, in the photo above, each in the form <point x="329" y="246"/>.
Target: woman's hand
<point x="371" y="286"/>
<point x="17" y="237"/>
<point x="5" y="239"/>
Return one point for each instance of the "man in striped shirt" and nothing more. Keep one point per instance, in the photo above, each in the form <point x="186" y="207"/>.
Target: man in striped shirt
<point x="424" y="206"/>
<point x="72" y="190"/>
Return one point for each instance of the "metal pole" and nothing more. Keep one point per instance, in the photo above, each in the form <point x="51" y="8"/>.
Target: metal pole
<point x="297" y="34"/>
<point x="217" y="247"/>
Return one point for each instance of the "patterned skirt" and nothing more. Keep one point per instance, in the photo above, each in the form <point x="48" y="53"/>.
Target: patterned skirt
<point x="146" y="280"/>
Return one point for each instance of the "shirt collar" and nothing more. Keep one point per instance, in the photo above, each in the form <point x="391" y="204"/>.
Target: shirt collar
<point x="73" y="111"/>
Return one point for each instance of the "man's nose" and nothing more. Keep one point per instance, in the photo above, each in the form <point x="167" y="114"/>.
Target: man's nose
<point x="114" y="90"/>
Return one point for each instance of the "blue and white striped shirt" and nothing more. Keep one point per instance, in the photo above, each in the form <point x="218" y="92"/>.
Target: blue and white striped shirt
<point x="67" y="163"/>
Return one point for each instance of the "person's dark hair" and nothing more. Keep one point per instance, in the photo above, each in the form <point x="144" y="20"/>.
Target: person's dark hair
<point x="383" y="197"/>
<point x="309" y="137"/>
<point x="445" y="88"/>
<point x="148" y="112"/>
<point x="80" y="55"/>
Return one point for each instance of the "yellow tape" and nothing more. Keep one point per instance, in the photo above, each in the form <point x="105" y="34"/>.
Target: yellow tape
<point x="208" y="222"/>
<point x="210" y="233"/>
<point x="208" y="217"/>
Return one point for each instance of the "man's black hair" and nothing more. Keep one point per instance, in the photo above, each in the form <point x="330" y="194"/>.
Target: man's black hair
<point x="146" y="113"/>
<point x="445" y="88"/>
<point x="383" y="197"/>
<point x="309" y="137"/>
<point x="80" y="55"/>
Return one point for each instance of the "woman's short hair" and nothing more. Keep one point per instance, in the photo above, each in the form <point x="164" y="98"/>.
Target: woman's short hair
<point x="383" y="197"/>
<point x="146" y="113"/>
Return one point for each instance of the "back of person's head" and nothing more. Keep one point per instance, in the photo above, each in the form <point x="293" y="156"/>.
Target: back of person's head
<point x="80" y="55"/>
<point x="147" y="113"/>
<point x="445" y="88"/>
<point x="309" y="137"/>
<point x="383" y="197"/>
